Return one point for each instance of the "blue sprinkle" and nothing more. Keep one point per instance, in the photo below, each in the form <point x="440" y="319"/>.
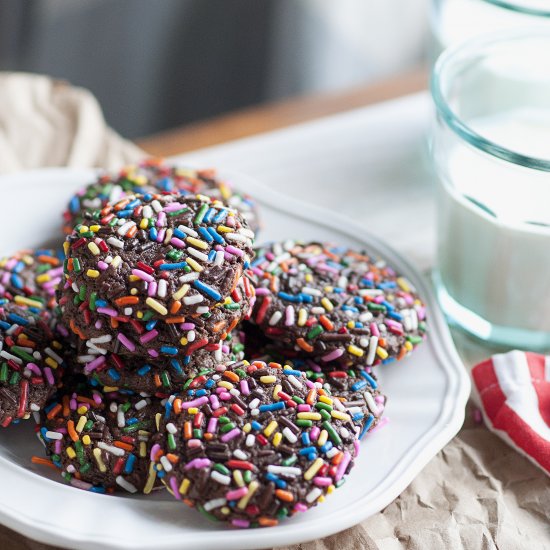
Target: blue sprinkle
<point x="368" y="424"/>
<point x="167" y="410"/>
<point x="368" y="378"/>
<point x="395" y="316"/>
<point x="144" y="370"/>
<point x="169" y="350"/>
<point x="187" y="360"/>
<point x="288" y="372"/>
<point x="100" y="490"/>
<point x="220" y="216"/>
<point x="209" y="383"/>
<point x="132" y="421"/>
<point x="358" y="300"/>
<point x="113" y="374"/>
<point x="4" y="325"/>
<point x="213" y="293"/>
<point x="167" y="267"/>
<point x="204" y="233"/>
<point x="14" y="318"/>
<point x="151" y="324"/>
<point x="289" y="297"/>
<point x="124" y="213"/>
<point x="16" y="281"/>
<point x="200" y="393"/>
<point x="306" y="450"/>
<point x="101" y="303"/>
<point x="74" y="205"/>
<point x="43" y="434"/>
<point x="305" y="438"/>
<point x="147" y="196"/>
<point x="153" y="234"/>
<point x="176" y="366"/>
<point x="258" y="261"/>
<point x="215" y="235"/>
<point x="129" y="466"/>
<point x="209" y="215"/>
<point x="312" y="456"/>
<point x="211" y="255"/>
<point x="359" y="385"/>
<point x="179" y="233"/>
<point x="272" y="407"/>
<point x="19" y="266"/>
<point x="256" y="425"/>
<point x="357" y="416"/>
<point x="166" y="184"/>
<point x="326" y="447"/>
<point x="306" y="298"/>
<point x="191" y="393"/>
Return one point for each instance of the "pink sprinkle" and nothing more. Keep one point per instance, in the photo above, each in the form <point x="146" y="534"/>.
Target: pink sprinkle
<point x="212" y="425"/>
<point x="226" y="396"/>
<point x="256" y="270"/>
<point x="148" y="336"/>
<point x="161" y="235"/>
<point x="214" y="402"/>
<point x="304" y="408"/>
<point x="98" y="324"/>
<point x="309" y="384"/>
<point x="153" y="352"/>
<point x="314" y="433"/>
<point x="333" y="355"/>
<point x="322" y="481"/>
<point x="57" y="446"/>
<point x="234" y="251"/>
<point x="236" y="493"/>
<point x="62" y="330"/>
<point x="127" y="343"/>
<point x="245" y="390"/>
<point x="175" y="489"/>
<point x="230" y="221"/>
<point x="192" y="443"/>
<point x="152" y="289"/>
<point x="241" y="523"/>
<point x="326" y="267"/>
<point x="342" y="467"/>
<point x="178" y="243"/>
<point x="49" y="376"/>
<point x="154" y="450"/>
<point x="187" y="326"/>
<point x="289" y="316"/>
<point x="92" y="365"/>
<point x="195" y="402"/>
<point x="197" y="463"/>
<point x="161" y="219"/>
<point x="300" y="507"/>
<point x="33" y="367"/>
<point x="143" y="275"/>
<point x="172" y="207"/>
<point x="379" y="399"/>
<point x="225" y="348"/>
<point x="374" y="329"/>
<point x="108" y="311"/>
<point x="230" y="435"/>
<point x="356" y="446"/>
<point x="79" y="484"/>
<point x="102" y="265"/>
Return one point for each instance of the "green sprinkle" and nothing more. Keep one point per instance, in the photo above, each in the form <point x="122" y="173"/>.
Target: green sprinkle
<point x="93" y="297"/>
<point x="247" y="476"/>
<point x="314" y="332"/>
<point x="171" y="442"/>
<point x="227" y="427"/>
<point x="332" y="433"/>
<point x="298" y="400"/>
<point x="165" y="379"/>
<point x="304" y="423"/>
<point x="82" y="293"/>
<point x="222" y="469"/>
<point x="289" y="461"/>
<point x="414" y="339"/>
<point x="89" y="425"/>
<point x="241" y="373"/>
<point x="324" y="406"/>
<point x="206" y="514"/>
<point x="324" y="414"/>
<point x="15" y="377"/>
<point x="76" y="265"/>
<point x="200" y="214"/>
<point x="197" y="433"/>
<point x="147" y="315"/>
<point x="178" y="212"/>
<point x="4" y="372"/>
<point x="375" y="307"/>
<point x="223" y="420"/>
<point x="16" y="350"/>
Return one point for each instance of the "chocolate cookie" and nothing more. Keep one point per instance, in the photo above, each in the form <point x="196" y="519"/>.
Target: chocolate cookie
<point x="157" y="377"/>
<point x="31" y="361"/>
<point x="254" y="443"/>
<point x="335" y="304"/>
<point x="101" y="442"/>
<point x="155" y="176"/>
<point x="30" y="278"/>
<point x="158" y="275"/>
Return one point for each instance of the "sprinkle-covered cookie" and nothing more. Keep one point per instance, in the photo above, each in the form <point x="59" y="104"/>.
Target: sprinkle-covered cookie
<point x="31" y="361"/>
<point x="101" y="442"/>
<point x="335" y="304"/>
<point x="254" y="443"/>
<point x="30" y="278"/>
<point x="155" y="176"/>
<point x="160" y="377"/>
<point x="158" y="275"/>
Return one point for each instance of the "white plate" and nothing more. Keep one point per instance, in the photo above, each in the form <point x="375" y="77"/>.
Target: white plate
<point x="427" y="395"/>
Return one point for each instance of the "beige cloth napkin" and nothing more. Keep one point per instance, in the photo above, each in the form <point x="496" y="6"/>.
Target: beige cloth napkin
<point x="476" y="494"/>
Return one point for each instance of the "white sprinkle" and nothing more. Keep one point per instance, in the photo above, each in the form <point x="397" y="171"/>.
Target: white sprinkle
<point x="372" y="292"/>
<point x="189" y="277"/>
<point x="101" y="339"/>
<point x="85" y="358"/>
<point x="166" y="464"/>
<point x="337" y="404"/>
<point x="236" y="237"/>
<point x="54" y="435"/>
<point x="373" y="344"/>
<point x="191" y="335"/>
<point x="188" y="231"/>
<point x="247" y="232"/>
<point x="241" y="455"/>
<point x="111" y="449"/>
<point x="220" y="478"/>
<point x="214" y="503"/>
<point x="202" y="309"/>
<point x="53" y="355"/>
<point x="294" y="381"/>
<point x="250" y="440"/>
<point x="199" y="255"/>
<point x="371" y="403"/>
<point x="171" y="428"/>
<point x="344" y="432"/>
<point x="314" y="494"/>
<point x="156" y="206"/>
<point x="311" y="291"/>
<point x="275" y="318"/>
<point x="128" y="311"/>
<point x="195" y="299"/>
<point x="126" y="484"/>
<point x="218" y="260"/>
<point x="254" y="403"/>
<point x="318" y="310"/>
<point x="113" y="241"/>
<point x="123" y="229"/>
<point x="332" y="452"/>
<point x="140" y="404"/>
<point x="121" y="421"/>
<point x="161" y="291"/>
<point x="147" y="211"/>
<point x="34" y="407"/>
<point x="7" y="355"/>
<point x="290" y="435"/>
<point x="287" y="470"/>
<point x="365" y="317"/>
<point x="255" y="412"/>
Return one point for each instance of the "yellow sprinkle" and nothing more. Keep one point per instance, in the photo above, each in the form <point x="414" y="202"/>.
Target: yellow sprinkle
<point x="94" y="249"/>
<point x="354" y="350"/>
<point x="325" y="399"/>
<point x="86" y="439"/>
<point x="82" y="410"/>
<point x="144" y="223"/>
<point x="270" y="379"/>
<point x="186" y="172"/>
<point x="93" y="273"/>
<point x="66" y="247"/>
<point x="271" y="427"/>
<point x="21" y="300"/>
<point x="150" y="483"/>
<point x="158" y="418"/>
<point x="193" y="264"/>
<point x="70" y="452"/>
<point x="327" y="304"/>
<point x="44" y="278"/>
<point x="197" y="242"/>
<point x="228" y="300"/>
<point x="247" y="427"/>
<point x="224" y="229"/>
<point x="252" y="488"/>
<point x="309" y="415"/>
<point x="302" y="317"/>
<point x="50" y="362"/>
<point x="193" y="410"/>
<point x="350" y="324"/>
<point x="108" y="389"/>
<point x="133" y="291"/>
<point x="81" y="423"/>
<point x="328" y="289"/>
<point x="203" y="198"/>
<point x="184" y="486"/>
<point x="277" y="439"/>
<point x="381" y="352"/>
<point x="95" y="228"/>
<point x="157" y="306"/>
<point x="276" y="391"/>
<point x="133" y="278"/>
<point x="403" y="284"/>
<point x="238" y="477"/>
<point x="309" y="278"/>
<point x="321" y="499"/>
<point x="313" y="469"/>
<point x="57" y="345"/>
<point x="117" y="260"/>
<point x="183" y="341"/>
<point x="181" y="292"/>
<point x="84" y="228"/>
<point x="225" y="510"/>
<point x="340" y="415"/>
<point x="408" y="346"/>
<point x="225" y="384"/>
<point x="142" y="449"/>
<point x="322" y="439"/>
<point x="330" y="489"/>
<point x="224" y="190"/>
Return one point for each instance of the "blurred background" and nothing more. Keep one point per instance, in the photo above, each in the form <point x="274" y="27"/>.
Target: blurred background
<point x="158" y="64"/>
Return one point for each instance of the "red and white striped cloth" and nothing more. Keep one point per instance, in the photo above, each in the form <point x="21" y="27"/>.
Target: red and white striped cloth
<point x="514" y="390"/>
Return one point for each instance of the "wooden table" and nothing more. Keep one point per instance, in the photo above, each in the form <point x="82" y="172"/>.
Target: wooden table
<point x="271" y="116"/>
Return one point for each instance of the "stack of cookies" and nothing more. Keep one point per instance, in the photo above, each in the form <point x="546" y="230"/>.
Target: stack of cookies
<point x="176" y="355"/>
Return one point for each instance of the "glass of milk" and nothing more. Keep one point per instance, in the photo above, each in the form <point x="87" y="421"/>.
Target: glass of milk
<point x="453" y="21"/>
<point x="491" y="149"/>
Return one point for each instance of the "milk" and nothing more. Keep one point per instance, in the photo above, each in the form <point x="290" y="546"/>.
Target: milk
<point x="494" y="247"/>
<point x="459" y="20"/>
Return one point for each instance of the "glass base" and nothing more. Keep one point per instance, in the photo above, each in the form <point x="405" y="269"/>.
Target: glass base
<point x="461" y="317"/>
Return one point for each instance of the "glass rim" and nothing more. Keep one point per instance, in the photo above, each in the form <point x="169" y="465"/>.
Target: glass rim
<point x="471" y="49"/>
<point x="512" y="6"/>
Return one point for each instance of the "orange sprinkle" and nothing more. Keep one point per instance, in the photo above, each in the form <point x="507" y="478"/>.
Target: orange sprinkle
<point x="127" y="300"/>
<point x="157" y="381"/>
<point x="231" y="376"/>
<point x="132" y="231"/>
<point x="175" y="307"/>
<point x="189" y="503"/>
<point x="54" y="412"/>
<point x="174" y="459"/>
<point x="177" y="405"/>
<point x="175" y="320"/>
<point x="267" y="522"/>
<point x="311" y="395"/>
<point x="219" y="326"/>
<point x="287" y="496"/>
<point x="72" y="432"/>
<point x="382" y="342"/>
<point x="402" y="353"/>
<point x="43" y="462"/>
<point x="336" y="459"/>
<point x="48" y="260"/>
<point x="325" y="321"/>
<point x="304" y="345"/>
<point x="66" y="408"/>
<point x="122" y="445"/>
<point x="274" y="365"/>
<point x="114" y="322"/>
<point x="187" y="430"/>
